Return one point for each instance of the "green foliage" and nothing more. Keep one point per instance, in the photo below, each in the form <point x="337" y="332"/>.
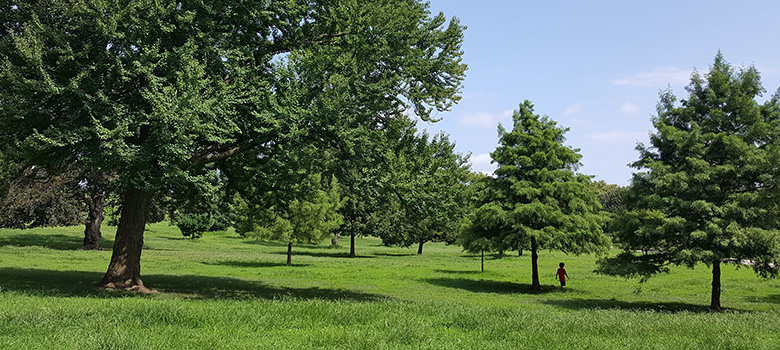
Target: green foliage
<point x="536" y="196"/>
<point x="193" y="225"/>
<point x="610" y="196"/>
<point x="708" y="192"/>
<point x="427" y="192"/>
<point x="36" y="198"/>
<point x="309" y="219"/>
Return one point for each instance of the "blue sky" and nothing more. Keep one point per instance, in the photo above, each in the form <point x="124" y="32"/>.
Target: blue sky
<point x="596" y="67"/>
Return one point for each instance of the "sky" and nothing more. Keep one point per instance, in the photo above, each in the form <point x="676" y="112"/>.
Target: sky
<point x="596" y="67"/>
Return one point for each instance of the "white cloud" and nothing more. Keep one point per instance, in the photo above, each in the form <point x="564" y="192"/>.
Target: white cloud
<point x="482" y="163"/>
<point x="484" y="119"/>
<point x="572" y="109"/>
<point x="660" y="78"/>
<point x="618" y="136"/>
<point x="629" y="108"/>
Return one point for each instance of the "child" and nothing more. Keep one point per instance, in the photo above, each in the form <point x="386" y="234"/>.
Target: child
<point x="561" y="275"/>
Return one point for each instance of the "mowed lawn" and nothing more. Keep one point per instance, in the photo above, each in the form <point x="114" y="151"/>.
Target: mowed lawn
<point x="225" y="292"/>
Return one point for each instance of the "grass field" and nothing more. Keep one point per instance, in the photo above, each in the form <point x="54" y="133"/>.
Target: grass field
<point x="225" y="292"/>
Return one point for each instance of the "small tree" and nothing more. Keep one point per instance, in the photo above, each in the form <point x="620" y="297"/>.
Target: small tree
<point x="709" y="192"/>
<point x="427" y="192"/>
<point x="536" y="197"/>
<point x="309" y="219"/>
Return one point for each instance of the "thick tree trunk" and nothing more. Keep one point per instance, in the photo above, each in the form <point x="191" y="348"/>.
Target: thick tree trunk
<point x="535" y="286"/>
<point x="715" y="299"/>
<point x="483" y="260"/>
<point x="352" y="245"/>
<point x="289" y="254"/>
<point x="419" y="248"/>
<point x="92" y="235"/>
<point x="124" y="271"/>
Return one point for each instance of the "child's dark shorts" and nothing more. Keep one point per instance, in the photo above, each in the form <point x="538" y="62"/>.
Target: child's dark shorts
<point x="563" y="283"/>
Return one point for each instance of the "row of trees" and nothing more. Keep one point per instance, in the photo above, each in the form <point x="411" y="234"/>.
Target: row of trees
<point x="297" y="115"/>
<point x="179" y="101"/>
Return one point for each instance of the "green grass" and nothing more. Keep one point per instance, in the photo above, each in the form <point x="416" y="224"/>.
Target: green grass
<point x="224" y="292"/>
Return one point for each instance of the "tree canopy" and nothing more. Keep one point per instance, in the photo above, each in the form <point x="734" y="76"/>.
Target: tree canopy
<point x="163" y="94"/>
<point x="536" y="198"/>
<point x="708" y="189"/>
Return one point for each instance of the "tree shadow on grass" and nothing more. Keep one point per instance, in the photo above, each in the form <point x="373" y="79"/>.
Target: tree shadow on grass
<point x="81" y="284"/>
<point x="250" y="264"/>
<point x="488" y="286"/>
<point x="50" y="241"/>
<point x="395" y="254"/>
<point x="770" y="298"/>
<point x="614" y="304"/>
<point x="458" y="272"/>
<point x="333" y="254"/>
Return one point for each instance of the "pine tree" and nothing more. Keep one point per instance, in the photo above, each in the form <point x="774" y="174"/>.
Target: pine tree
<point x="709" y="190"/>
<point x="537" y="199"/>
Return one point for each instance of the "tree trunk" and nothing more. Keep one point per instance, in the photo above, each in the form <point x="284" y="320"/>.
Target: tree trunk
<point x="289" y="254"/>
<point x="124" y="270"/>
<point x="483" y="260"/>
<point x="535" y="286"/>
<point x="715" y="299"/>
<point x="352" y="245"/>
<point x="419" y="248"/>
<point x="520" y="252"/>
<point x="501" y="254"/>
<point x="92" y="235"/>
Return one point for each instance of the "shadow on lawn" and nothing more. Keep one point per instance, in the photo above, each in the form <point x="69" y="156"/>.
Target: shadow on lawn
<point x="395" y="254"/>
<point x="333" y="254"/>
<point x="50" y="241"/>
<point x="251" y="264"/>
<point x="81" y="284"/>
<point x="771" y="298"/>
<point x="458" y="272"/>
<point x="488" y="286"/>
<point x="614" y="304"/>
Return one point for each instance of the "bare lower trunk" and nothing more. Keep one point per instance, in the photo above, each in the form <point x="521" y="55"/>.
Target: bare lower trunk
<point x="715" y="299"/>
<point x="289" y="254"/>
<point x="535" y="286"/>
<point x="483" y="260"/>
<point x="419" y="248"/>
<point x="92" y="234"/>
<point x="124" y="271"/>
<point x="352" y="245"/>
<point x="501" y="254"/>
<point x="520" y="252"/>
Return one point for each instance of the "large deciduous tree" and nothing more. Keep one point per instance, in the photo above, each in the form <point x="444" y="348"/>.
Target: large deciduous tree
<point x="426" y="196"/>
<point x="161" y="94"/>
<point x="536" y="198"/>
<point x="709" y="189"/>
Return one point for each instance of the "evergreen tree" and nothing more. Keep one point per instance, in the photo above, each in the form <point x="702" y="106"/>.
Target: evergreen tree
<point x="536" y="198"/>
<point x="709" y="190"/>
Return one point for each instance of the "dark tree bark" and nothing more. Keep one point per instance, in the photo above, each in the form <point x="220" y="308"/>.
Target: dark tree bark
<point x="289" y="254"/>
<point x="483" y="260"/>
<point x="92" y="234"/>
<point x="419" y="248"/>
<point x="535" y="286"/>
<point x="501" y="254"/>
<point x="520" y="252"/>
<point x="352" y="245"/>
<point x="124" y="270"/>
<point x="715" y="299"/>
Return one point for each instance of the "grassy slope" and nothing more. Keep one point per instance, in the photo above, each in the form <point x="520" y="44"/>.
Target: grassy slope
<point x="223" y="292"/>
